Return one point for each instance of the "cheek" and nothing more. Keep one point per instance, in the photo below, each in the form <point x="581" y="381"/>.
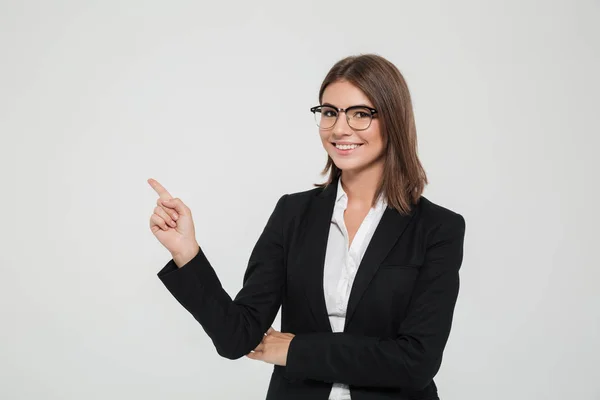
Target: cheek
<point x="374" y="138"/>
<point x="324" y="137"/>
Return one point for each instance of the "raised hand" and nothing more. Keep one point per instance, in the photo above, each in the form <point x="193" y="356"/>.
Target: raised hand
<point x="172" y="224"/>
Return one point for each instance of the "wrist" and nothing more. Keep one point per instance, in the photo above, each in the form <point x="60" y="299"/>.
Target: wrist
<point x="186" y="256"/>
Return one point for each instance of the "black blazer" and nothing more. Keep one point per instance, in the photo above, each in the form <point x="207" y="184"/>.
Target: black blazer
<point x="399" y="312"/>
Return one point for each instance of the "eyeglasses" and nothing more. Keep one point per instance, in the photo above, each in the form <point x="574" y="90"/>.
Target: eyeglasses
<point x="358" y="117"/>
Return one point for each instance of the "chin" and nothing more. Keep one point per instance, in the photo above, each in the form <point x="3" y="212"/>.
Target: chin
<point x="357" y="164"/>
<point x="348" y="165"/>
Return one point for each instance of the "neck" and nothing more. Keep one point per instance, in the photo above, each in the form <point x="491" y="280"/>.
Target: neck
<point x="360" y="186"/>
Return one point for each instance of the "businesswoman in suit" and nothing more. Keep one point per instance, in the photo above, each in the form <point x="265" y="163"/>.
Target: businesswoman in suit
<point x="365" y="268"/>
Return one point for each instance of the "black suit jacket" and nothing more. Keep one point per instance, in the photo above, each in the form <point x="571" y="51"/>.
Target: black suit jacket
<point x="399" y="312"/>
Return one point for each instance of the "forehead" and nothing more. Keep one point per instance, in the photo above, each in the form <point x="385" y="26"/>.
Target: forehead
<point x="344" y="94"/>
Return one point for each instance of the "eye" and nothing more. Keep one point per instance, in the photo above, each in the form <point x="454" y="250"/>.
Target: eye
<point x="328" y="112"/>
<point x="359" y="114"/>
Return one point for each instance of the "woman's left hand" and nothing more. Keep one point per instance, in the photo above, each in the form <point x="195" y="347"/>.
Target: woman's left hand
<point x="273" y="349"/>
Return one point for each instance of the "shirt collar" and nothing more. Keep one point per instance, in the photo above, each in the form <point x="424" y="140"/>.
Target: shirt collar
<point x="340" y="191"/>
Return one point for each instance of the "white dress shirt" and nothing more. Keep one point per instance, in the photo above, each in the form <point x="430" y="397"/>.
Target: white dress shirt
<point x="341" y="264"/>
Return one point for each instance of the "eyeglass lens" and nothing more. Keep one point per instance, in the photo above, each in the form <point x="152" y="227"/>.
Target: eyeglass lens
<point x="358" y="118"/>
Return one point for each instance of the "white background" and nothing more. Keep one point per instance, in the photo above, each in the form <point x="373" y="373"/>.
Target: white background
<point x="212" y="99"/>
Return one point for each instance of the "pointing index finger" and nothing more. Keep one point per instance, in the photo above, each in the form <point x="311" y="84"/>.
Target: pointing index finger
<point x="158" y="188"/>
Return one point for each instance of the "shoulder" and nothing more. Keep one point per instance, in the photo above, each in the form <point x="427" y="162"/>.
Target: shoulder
<point x="305" y="195"/>
<point x="442" y="235"/>
<point x="296" y="203"/>
<point x="301" y="199"/>
<point x="435" y="217"/>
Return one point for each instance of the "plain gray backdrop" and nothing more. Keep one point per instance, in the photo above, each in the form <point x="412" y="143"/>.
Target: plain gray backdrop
<point x="212" y="99"/>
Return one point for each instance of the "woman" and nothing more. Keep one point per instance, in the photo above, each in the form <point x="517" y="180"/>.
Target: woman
<point x="364" y="267"/>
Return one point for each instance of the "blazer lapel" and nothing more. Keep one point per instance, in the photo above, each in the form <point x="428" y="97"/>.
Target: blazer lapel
<point x="390" y="228"/>
<point x="316" y="234"/>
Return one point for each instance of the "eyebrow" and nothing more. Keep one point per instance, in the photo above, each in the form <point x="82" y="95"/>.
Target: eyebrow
<point x="357" y="105"/>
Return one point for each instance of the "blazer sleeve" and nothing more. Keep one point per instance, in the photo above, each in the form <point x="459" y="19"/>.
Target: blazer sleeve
<point x="235" y="326"/>
<point x="413" y="357"/>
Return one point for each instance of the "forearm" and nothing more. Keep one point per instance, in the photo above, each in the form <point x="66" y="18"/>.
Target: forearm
<point x="360" y="360"/>
<point x="234" y="328"/>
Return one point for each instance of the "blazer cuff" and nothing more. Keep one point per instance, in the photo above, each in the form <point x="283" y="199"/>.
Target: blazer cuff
<point x="198" y="269"/>
<point x="299" y="356"/>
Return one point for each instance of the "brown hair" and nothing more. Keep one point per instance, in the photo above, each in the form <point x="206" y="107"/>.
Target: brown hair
<point x="404" y="178"/>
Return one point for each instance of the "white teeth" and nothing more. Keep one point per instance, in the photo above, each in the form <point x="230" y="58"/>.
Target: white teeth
<point x="346" y="146"/>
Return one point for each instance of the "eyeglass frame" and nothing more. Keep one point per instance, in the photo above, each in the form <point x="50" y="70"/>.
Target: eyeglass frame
<point x="371" y="109"/>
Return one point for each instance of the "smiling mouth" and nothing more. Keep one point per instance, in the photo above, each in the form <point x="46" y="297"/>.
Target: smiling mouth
<point x="347" y="146"/>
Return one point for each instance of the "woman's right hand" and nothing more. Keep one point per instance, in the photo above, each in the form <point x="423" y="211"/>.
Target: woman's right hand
<point x="172" y="224"/>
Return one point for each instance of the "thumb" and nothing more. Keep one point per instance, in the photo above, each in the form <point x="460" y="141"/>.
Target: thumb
<point x="177" y="205"/>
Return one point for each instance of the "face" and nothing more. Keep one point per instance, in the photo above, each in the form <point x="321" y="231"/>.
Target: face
<point x="369" y="152"/>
